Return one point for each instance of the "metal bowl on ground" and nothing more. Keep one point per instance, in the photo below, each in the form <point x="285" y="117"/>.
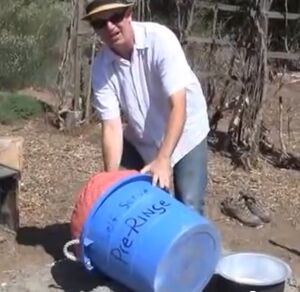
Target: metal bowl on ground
<point x="239" y="272"/>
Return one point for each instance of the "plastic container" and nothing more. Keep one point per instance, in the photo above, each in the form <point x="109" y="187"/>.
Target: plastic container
<point x="141" y="236"/>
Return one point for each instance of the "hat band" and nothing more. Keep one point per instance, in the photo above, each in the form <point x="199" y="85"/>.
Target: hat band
<point x="96" y="3"/>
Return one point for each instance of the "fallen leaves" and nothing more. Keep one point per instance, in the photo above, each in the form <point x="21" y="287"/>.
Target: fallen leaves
<point x="55" y="164"/>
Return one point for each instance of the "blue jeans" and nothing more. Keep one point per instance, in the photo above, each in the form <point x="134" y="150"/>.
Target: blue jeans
<point x="189" y="173"/>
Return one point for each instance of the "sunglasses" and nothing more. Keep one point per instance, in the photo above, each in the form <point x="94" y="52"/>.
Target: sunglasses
<point x="115" y="19"/>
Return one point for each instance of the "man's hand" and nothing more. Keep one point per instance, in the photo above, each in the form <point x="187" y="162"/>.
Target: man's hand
<point x="160" y="169"/>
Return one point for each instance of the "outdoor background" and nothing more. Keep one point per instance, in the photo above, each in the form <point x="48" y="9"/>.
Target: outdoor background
<point x="45" y="57"/>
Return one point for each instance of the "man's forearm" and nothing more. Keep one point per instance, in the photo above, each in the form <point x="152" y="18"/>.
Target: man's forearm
<point x="175" y="124"/>
<point x="112" y="144"/>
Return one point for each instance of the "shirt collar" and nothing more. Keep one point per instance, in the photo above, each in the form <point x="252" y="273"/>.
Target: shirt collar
<point x="139" y="36"/>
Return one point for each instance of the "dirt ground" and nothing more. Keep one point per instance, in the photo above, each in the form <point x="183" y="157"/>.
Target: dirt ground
<point x="57" y="164"/>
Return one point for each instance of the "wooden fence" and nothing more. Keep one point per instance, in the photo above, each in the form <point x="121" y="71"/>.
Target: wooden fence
<point x="79" y="32"/>
<point x="236" y="9"/>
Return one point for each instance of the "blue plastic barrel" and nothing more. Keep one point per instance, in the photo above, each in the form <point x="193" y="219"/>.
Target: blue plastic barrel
<point x="141" y="236"/>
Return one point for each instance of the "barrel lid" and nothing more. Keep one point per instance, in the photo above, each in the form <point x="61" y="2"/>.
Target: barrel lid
<point x="178" y="271"/>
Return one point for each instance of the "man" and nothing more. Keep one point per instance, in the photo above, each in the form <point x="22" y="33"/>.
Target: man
<point x="142" y="72"/>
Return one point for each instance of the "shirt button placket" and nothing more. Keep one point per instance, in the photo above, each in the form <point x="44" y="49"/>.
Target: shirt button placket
<point x="136" y="83"/>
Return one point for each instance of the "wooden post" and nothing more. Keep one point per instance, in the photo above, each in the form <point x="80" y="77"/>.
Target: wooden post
<point x="89" y="93"/>
<point x="262" y="27"/>
<point x="77" y="56"/>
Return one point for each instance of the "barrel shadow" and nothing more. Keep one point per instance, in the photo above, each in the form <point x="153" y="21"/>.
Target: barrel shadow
<point x="72" y="277"/>
<point x="52" y="238"/>
<point x="67" y="275"/>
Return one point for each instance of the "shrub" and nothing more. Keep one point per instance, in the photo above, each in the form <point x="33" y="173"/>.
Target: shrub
<point x="14" y="107"/>
<point x="31" y="37"/>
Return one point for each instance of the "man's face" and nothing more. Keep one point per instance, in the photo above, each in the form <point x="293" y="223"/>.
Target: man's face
<point x="113" y="26"/>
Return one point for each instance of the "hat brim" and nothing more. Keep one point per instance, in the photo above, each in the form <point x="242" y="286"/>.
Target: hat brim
<point x="106" y="7"/>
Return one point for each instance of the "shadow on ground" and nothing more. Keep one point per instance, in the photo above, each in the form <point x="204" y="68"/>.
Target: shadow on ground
<point x="289" y="249"/>
<point x="67" y="275"/>
<point x="219" y="141"/>
<point x="72" y="277"/>
<point x="52" y="238"/>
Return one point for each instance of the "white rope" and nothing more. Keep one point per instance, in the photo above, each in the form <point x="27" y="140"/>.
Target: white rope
<point x="70" y="255"/>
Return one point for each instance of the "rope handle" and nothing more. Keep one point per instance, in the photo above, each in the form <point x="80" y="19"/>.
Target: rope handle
<point x="69" y="255"/>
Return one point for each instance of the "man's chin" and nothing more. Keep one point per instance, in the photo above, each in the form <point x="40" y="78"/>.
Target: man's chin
<point x="116" y="43"/>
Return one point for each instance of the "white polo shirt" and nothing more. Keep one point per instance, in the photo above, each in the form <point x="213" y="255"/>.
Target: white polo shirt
<point x="141" y="89"/>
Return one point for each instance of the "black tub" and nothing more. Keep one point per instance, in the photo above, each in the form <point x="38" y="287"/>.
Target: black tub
<point x="249" y="272"/>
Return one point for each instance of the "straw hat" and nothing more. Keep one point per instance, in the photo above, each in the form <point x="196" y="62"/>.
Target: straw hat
<point x="96" y="6"/>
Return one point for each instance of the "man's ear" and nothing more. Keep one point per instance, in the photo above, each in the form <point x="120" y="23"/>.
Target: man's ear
<point x="128" y="13"/>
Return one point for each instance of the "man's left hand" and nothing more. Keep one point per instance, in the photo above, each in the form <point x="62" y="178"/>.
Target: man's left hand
<point x="160" y="169"/>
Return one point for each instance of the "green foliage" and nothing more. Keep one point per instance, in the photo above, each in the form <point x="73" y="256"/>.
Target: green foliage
<point x="31" y="35"/>
<point x="15" y="107"/>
